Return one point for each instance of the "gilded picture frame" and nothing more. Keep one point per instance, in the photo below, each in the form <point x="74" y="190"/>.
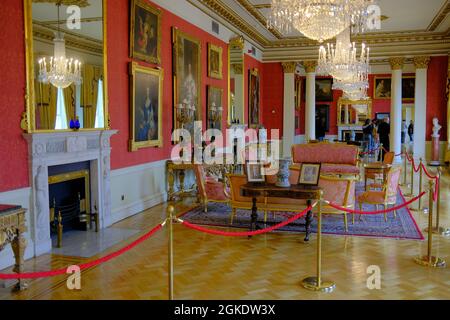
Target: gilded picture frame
<point x="215" y="61"/>
<point x="215" y="100"/>
<point x="382" y="88"/>
<point x="145" y="32"/>
<point x="146" y="100"/>
<point x="187" y="78"/>
<point x="253" y="98"/>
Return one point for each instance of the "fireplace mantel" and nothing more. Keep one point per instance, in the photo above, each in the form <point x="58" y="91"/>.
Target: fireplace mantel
<point x="59" y="148"/>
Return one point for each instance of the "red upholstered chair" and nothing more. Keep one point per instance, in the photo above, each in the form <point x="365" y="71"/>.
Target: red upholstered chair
<point x="387" y="196"/>
<point x="209" y="189"/>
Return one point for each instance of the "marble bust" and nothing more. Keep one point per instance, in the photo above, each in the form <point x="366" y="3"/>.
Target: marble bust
<point x="436" y="128"/>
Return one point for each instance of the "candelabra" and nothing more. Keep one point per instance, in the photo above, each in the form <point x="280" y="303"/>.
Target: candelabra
<point x="185" y="113"/>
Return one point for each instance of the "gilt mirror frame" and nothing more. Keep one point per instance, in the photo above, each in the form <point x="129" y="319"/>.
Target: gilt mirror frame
<point x="27" y="122"/>
<point x="343" y="102"/>
<point x="236" y="43"/>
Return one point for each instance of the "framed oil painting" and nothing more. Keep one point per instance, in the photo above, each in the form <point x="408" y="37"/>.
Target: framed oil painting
<point x="186" y="80"/>
<point x="408" y="88"/>
<point x="253" y="98"/>
<point x="146" y="88"/>
<point x="215" y="107"/>
<point x="382" y="88"/>
<point x="145" y="32"/>
<point x="324" y="90"/>
<point x="215" y="62"/>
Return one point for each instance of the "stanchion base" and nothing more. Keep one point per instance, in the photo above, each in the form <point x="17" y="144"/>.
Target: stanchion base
<point x="325" y="286"/>
<point x="441" y="231"/>
<point x="433" y="263"/>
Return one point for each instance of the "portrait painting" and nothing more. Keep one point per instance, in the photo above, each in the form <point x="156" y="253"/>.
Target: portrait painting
<point x="187" y="80"/>
<point x="324" y="90"/>
<point x="215" y="107"/>
<point x="309" y="174"/>
<point x="408" y="88"/>
<point x="145" y="32"/>
<point x="146" y="87"/>
<point x="253" y="98"/>
<point x="382" y="88"/>
<point x="215" y="62"/>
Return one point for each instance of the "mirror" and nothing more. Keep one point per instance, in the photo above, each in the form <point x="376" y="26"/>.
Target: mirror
<point x="236" y="105"/>
<point x="66" y="65"/>
<point x="353" y="112"/>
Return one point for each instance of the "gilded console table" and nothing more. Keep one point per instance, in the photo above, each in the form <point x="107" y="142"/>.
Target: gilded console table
<point x="171" y="167"/>
<point x="12" y="229"/>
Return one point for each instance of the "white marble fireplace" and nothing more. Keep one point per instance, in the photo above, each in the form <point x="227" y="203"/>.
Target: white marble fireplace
<point x="60" y="148"/>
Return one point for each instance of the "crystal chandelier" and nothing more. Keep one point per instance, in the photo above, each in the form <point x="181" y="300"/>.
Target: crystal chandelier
<point x="319" y="19"/>
<point x="60" y="71"/>
<point x="341" y="61"/>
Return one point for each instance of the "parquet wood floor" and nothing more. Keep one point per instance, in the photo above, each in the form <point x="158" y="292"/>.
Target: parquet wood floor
<point x="265" y="267"/>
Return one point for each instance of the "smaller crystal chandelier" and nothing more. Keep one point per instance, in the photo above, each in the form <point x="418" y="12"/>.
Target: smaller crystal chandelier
<point x="60" y="71"/>
<point x="319" y="19"/>
<point x="341" y="61"/>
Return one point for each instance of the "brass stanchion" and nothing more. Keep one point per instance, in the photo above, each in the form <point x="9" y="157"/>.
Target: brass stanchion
<point x="170" y="212"/>
<point x="60" y="230"/>
<point x="438" y="229"/>
<point x="419" y="205"/>
<point x="316" y="283"/>
<point x="405" y="183"/>
<point x="411" y="194"/>
<point x="429" y="260"/>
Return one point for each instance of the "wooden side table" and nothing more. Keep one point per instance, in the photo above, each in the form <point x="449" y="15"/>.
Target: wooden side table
<point x="12" y="229"/>
<point x="254" y="191"/>
<point x="376" y="168"/>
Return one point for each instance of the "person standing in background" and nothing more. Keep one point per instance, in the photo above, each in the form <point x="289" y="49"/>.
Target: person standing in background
<point x="384" y="130"/>
<point x="411" y="131"/>
<point x="368" y="132"/>
<point x="404" y="131"/>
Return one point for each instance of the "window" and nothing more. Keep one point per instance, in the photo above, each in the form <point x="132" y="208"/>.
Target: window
<point x="61" y="116"/>
<point x="99" y="116"/>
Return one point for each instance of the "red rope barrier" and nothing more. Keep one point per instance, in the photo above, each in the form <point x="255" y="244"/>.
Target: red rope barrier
<point x="248" y="233"/>
<point x="436" y="188"/>
<point x="46" y="274"/>
<point x="377" y="212"/>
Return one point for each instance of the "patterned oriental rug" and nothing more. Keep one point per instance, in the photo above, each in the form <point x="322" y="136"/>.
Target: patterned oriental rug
<point x="374" y="226"/>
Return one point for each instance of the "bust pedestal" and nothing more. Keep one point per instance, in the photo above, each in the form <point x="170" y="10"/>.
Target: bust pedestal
<point x="435" y="152"/>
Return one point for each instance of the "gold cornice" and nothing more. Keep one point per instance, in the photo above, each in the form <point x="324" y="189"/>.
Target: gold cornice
<point x="310" y="66"/>
<point x="258" y="16"/>
<point x="421" y="62"/>
<point x="289" y="67"/>
<point x="396" y="63"/>
<point x="228" y="14"/>
<point x="442" y="14"/>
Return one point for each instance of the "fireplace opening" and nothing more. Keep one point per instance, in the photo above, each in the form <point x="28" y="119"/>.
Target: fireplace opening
<point x="69" y="197"/>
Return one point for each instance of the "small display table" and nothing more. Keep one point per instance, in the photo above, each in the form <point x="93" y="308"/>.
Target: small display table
<point x="376" y="168"/>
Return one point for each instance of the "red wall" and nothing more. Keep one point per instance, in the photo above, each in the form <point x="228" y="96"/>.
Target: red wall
<point x="13" y="159"/>
<point x="118" y="51"/>
<point x="436" y="95"/>
<point x="273" y="96"/>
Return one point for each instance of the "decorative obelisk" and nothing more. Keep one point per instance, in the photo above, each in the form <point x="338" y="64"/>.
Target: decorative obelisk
<point x="435" y="145"/>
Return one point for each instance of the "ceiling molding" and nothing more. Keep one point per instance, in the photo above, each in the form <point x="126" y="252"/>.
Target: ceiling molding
<point x="445" y="10"/>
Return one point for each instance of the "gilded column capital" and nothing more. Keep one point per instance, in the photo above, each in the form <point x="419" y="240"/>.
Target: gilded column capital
<point x="421" y="62"/>
<point x="237" y="68"/>
<point x="289" y="67"/>
<point x="396" y="63"/>
<point x="237" y="43"/>
<point x="310" y="66"/>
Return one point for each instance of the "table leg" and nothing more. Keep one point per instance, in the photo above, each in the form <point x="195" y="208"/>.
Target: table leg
<point x="181" y="177"/>
<point x="18" y="246"/>
<point x="170" y="182"/>
<point x="309" y="219"/>
<point x="254" y="216"/>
